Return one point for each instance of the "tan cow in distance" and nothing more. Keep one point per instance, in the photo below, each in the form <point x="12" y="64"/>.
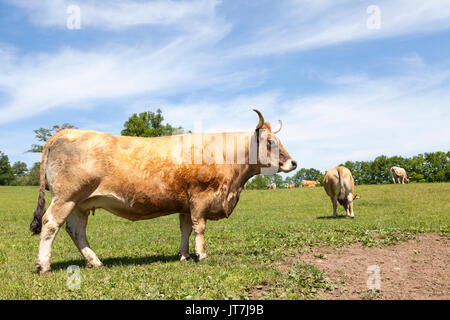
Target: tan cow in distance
<point x="145" y="178"/>
<point x="271" y="186"/>
<point x="291" y="186"/>
<point x="398" y="173"/>
<point x="339" y="186"/>
<point x="309" y="184"/>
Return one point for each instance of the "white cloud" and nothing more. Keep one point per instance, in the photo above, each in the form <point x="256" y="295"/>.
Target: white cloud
<point x="72" y="78"/>
<point x="181" y="62"/>
<point x="116" y="15"/>
<point x="305" y="25"/>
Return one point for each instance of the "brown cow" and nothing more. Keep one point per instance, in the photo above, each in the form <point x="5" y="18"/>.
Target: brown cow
<point x="144" y="178"/>
<point x="399" y="173"/>
<point x="309" y="184"/>
<point x="339" y="185"/>
<point x="291" y="186"/>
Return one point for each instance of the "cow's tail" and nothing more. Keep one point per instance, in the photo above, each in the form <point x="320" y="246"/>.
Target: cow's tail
<point x="36" y="224"/>
<point x="341" y="183"/>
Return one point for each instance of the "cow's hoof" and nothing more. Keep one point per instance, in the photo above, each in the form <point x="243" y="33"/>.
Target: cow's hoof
<point x="43" y="272"/>
<point x="96" y="264"/>
<point x="42" y="269"/>
<point x="184" y="257"/>
<point x="202" y="256"/>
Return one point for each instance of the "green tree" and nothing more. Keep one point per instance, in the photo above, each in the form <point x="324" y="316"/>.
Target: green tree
<point x="34" y="174"/>
<point x="19" y="168"/>
<point x="428" y="167"/>
<point x="277" y="179"/>
<point x="437" y="163"/>
<point x="149" y="124"/>
<point x="415" y="168"/>
<point x="6" y="174"/>
<point x="43" y="135"/>
<point x="257" y="183"/>
<point x="306" y="174"/>
<point x="379" y="170"/>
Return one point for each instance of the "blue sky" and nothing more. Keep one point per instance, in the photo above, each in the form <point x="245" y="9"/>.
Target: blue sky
<point x="344" y="91"/>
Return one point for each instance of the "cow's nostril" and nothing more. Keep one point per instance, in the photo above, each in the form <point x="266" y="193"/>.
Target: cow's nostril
<point x="294" y="163"/>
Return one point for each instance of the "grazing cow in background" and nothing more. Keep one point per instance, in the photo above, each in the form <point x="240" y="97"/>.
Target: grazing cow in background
<point x="399" y="173"/>
<point x="339" y="185"/>
<point x="291" y="186"/>
<point x="144" y="178"/>
<point x="271" y="186"/>
<point x="309" y="184"/>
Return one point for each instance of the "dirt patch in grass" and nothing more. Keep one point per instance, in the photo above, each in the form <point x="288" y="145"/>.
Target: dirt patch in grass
<point x="415" y="269"/>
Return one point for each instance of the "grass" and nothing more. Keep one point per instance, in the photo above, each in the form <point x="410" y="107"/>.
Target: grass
<point x="244" y="252"/>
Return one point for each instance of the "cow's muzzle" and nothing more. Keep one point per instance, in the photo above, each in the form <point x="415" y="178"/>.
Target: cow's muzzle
<point x="288" y="166"/>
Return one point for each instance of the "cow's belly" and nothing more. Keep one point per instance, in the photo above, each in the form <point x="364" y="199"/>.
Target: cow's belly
<point x="129" y="210"/>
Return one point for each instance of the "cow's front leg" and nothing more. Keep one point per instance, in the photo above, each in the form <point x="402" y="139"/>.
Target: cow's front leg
<point x="199" y="226"/>
<point x="186" y="230"/>
<point x="76" y="227"/>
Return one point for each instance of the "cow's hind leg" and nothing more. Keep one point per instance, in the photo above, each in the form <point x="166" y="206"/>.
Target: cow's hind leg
<point x="350" y="206"/>
<point x="334" y="201"/>
<point x="186" y="230"/>
<point x="76" y="227"/>
<point x="53" y="219"/>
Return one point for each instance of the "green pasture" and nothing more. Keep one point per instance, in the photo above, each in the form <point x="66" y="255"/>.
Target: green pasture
<point x="267" y="229"/>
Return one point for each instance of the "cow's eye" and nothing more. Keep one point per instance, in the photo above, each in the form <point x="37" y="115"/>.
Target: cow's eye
<point x="271" y="142"/>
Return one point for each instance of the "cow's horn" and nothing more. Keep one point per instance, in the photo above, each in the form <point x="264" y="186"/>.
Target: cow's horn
<point x="261" y="119"/>
<point x="279" y="128"/>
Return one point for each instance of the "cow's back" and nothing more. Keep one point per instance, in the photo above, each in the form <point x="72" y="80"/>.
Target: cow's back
<point x="398" y="172"/>
<point x="332" y="183"/>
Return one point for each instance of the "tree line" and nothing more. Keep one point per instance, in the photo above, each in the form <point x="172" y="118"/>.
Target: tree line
<point x="427" y="167"/>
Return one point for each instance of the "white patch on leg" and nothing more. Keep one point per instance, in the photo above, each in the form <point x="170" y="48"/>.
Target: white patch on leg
<point x="45" y="246"/>
<point x="184" y="257"/>
<point x="91" y="257"/>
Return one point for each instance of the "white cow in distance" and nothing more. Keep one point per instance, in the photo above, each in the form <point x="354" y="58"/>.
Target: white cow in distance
<point x="398" y="173"/>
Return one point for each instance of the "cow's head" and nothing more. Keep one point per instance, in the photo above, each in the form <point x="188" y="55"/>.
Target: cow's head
<point x="276" y="157"/>
<point x="407" y="179"/>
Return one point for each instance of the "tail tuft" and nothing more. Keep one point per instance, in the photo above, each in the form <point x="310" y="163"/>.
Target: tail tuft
<point x="36" y="224"/>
